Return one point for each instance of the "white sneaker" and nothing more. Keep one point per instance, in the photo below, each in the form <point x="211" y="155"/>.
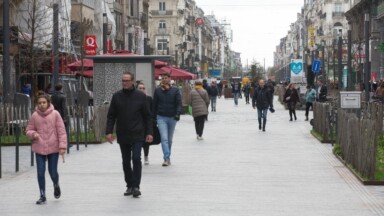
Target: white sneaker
<point x="197" y="137"/>
<point x="146" y="161"/>
<point x="200" y="138"/>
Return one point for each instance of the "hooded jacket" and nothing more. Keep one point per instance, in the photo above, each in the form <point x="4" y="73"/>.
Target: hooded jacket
<point x="50" y="127"/>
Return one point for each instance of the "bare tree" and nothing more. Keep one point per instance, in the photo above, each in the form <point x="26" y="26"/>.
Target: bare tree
<point x="34" y="19"/>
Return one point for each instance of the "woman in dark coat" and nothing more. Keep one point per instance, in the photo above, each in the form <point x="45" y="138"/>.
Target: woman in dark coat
<point x="141" y="87"/>
<point x="291" y="97"/>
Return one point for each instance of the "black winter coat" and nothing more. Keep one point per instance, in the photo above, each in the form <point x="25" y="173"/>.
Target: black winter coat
<point x="58" y="101"/>
<point x="293" y="94"/>
<point x="322" y="96"/>
<point x="262" y="98"/>
<point x="130" y="111"/>
<point x="167" y="102"/>
<point x="213" y="91"/>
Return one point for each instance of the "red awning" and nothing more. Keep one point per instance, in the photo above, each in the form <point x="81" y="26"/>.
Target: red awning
<point x="87" y="73"/>
<point x="76" y="66"/>
<point x="178" y="73"/>
<point x="175" y="72"/>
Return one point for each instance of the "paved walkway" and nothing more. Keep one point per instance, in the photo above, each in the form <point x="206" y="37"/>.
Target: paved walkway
<point x="236" y="170"/>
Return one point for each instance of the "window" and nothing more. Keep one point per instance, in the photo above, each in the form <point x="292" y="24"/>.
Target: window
<point x="162" y="44"/>
<point x="162" y="24"/>
<point x="119" y="22"/>
<point x="161" y="6"/>
<point x="338" y="7"/>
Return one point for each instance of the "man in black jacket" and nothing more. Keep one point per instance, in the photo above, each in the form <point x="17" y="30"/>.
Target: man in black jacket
<point x="321" y="92"/>
<point x="262" y="99"/>
<point x="133" y="119"/>
<point x="166" y="110"/>
<point x="58" y="101"/>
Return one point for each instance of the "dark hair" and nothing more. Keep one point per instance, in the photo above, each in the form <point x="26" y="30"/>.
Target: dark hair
<point x="140" y="83"/>
<point x="130" y="74"/>
<point x="58" y="87"/>
<point x="308" y="86"/>
<point x="166" y="74"/>
<point x="42" y="94"/>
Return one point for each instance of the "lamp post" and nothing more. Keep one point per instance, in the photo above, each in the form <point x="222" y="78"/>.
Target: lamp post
<point x="55" y="44"/>
<point x="349" y="63"/>
<point x="323" y="59"/>
<point x="105" y="32"/>
<point x="366" y="63"/>
<point x="339" y="60"/>
<point x="334" y="62"/>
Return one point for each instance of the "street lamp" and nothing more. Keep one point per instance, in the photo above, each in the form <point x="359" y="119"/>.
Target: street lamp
<point x="349" y="63"/>
<point x="105" y="32"/>
<point x="340" y="63"/>
<point x="366" y="63"/>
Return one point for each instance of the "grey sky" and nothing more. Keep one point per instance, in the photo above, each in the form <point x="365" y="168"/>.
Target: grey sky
<point x="257" y="25"/>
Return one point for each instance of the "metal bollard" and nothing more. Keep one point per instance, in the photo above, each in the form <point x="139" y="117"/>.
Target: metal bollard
<point x="17" y="132"/>
<point x="1" y="164"/>
<point x="77" y="128"/>
<point x="85" y="127"/>
<point x="32" y="157"/>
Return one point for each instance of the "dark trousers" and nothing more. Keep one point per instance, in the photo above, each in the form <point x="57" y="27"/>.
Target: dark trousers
<point x="132" y="152"/>
<point x="246" y="98"/>
<point x="292" y="109"/>
<point x="262" y="114"/>
<point x="308" y="105"/>
<point x="199" y="124"/>
<point x="53" y="160"/>
<point x="146" y="149"/>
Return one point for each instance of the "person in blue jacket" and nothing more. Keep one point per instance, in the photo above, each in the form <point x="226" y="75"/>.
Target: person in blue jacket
<point x="310" y="97"/>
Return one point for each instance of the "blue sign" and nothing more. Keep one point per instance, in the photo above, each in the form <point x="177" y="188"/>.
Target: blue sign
<point x="214" y="72"/>
<point x="316" y="65"/>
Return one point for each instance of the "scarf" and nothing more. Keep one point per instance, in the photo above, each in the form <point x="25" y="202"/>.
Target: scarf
<point x="165" y="86"/>
<point x="197" y="87"/>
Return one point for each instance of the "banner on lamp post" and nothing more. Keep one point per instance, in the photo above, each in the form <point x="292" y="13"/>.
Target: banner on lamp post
<point x="297" y="70"/>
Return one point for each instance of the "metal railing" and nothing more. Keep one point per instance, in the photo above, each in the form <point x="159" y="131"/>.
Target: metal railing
<point x="86" y="124"/>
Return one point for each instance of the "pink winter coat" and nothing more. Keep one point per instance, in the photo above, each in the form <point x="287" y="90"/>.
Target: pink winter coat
<point x="50" y="126"/>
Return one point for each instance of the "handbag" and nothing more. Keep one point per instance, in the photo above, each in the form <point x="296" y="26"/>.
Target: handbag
<point x="189" y="112"/>
<point x="156" y="135"/>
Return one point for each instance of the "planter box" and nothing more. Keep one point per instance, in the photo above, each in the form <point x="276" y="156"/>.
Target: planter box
<point x="322" y="140"/>
<point x="364" y="182"/>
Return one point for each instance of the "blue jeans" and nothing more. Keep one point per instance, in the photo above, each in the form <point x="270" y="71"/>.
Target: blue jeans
<point x="132" y="151"/>
<point x="166" y="127"/>
<point x="262" y="114"/>
<point x="53" y="160"/>
<point x="236" y="97"/>
<point x="213" y="102"/>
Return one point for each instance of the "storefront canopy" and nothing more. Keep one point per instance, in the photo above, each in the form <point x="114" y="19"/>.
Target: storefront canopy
<point x="175" y="72"/>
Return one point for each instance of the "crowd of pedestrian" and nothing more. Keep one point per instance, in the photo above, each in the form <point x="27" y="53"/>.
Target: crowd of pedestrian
<point x="140" y="121"/>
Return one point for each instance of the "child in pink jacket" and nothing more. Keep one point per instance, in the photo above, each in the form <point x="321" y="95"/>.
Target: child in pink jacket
<point x="49" y="139"/>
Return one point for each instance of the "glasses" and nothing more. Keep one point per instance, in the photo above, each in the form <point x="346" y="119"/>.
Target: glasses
<point x="142" y="88"/>
<point x="126" y="80"/>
